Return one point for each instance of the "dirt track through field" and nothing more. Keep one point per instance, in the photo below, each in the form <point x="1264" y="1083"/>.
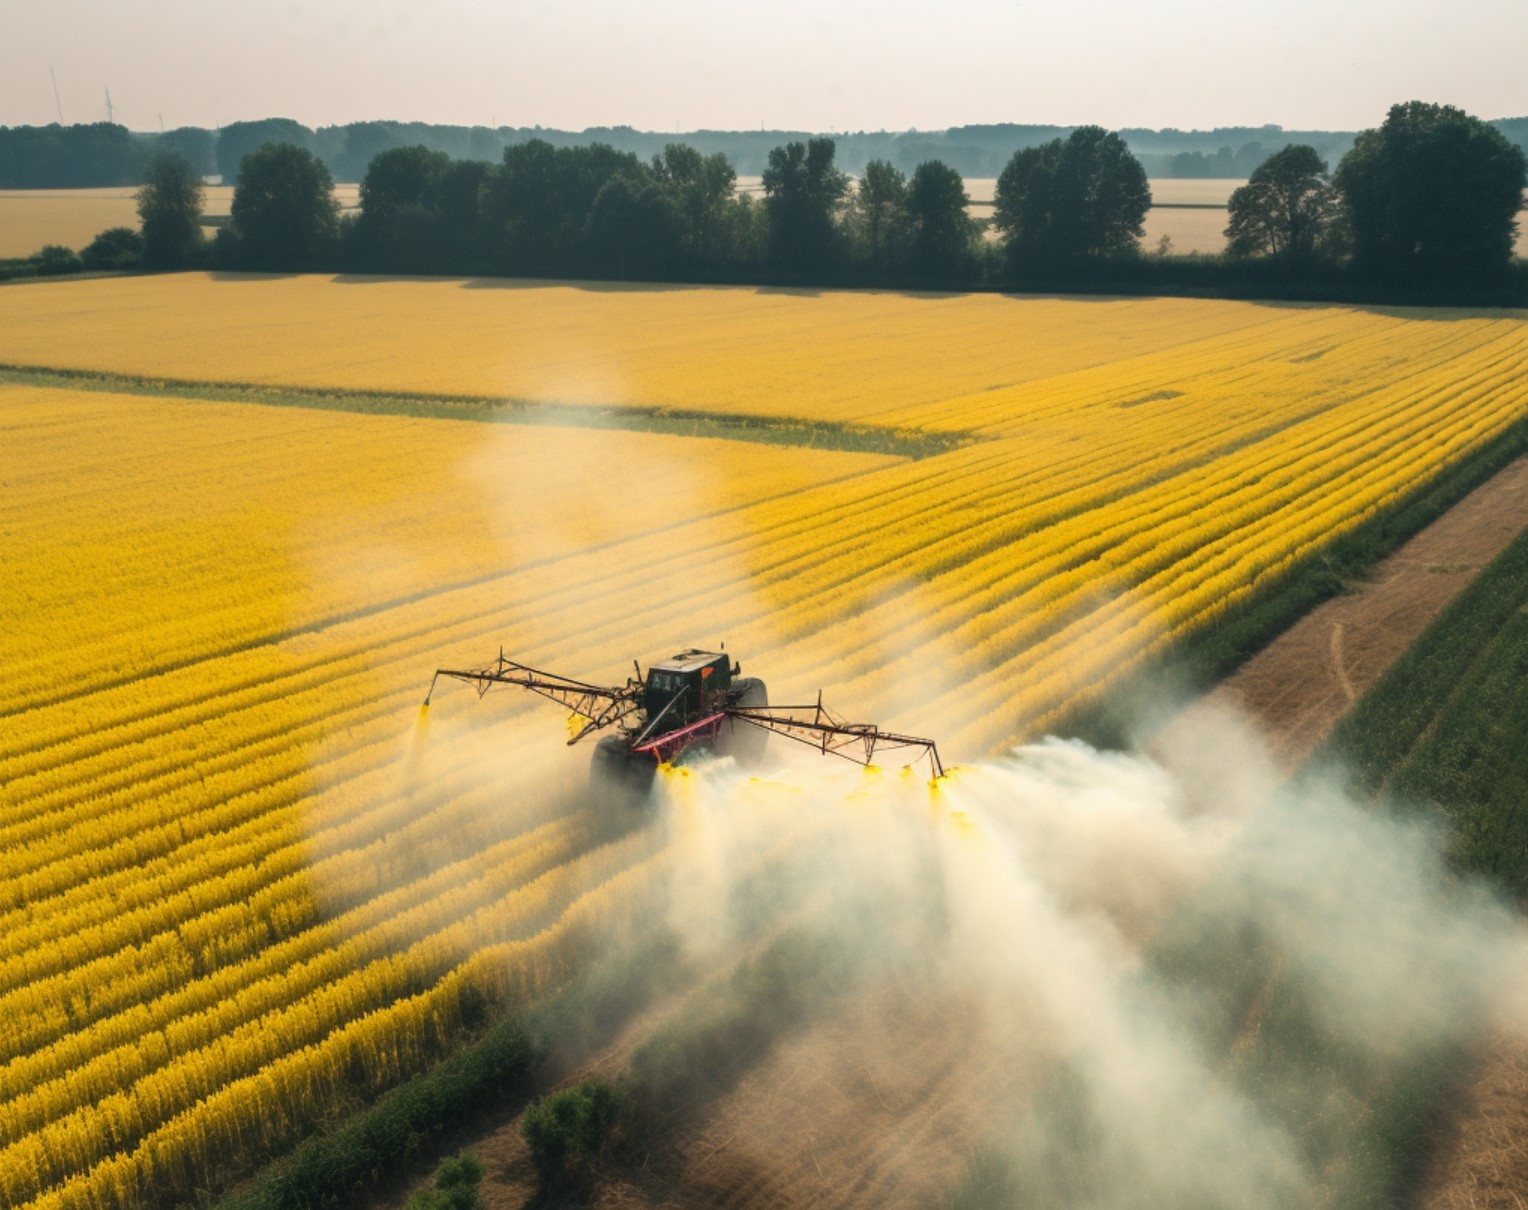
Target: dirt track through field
<point x="1304" y="681"/>
<point x="1307" y="678"/>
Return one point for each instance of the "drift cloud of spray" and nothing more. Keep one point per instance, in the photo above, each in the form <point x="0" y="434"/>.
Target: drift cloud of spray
<point x="1194" y="986"/>
<point x="1191" y="984"/>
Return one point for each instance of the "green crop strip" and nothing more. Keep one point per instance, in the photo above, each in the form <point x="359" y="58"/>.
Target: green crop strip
<point x="1447" y="727"/>
<point x="677" y="422"/>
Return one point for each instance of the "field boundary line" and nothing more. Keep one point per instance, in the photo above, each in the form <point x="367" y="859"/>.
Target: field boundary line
<point x="1295" y="739"/>
<point x="840" y="436"/>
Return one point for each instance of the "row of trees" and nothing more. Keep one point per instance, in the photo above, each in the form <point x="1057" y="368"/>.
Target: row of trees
<point x="1432" y="195"/>
<point x="1429" y="197"/>
<point x="93" y="154"/>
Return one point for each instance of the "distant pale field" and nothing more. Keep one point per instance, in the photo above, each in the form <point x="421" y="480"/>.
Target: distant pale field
<point x="31" y="221"/>
<point x="1189" y="230"/>
<point x="1165" y="191"/>
<point x="243" y="881"/>
<point x="31" y="218"/>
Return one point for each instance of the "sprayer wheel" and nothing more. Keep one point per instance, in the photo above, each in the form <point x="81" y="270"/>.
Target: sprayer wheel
<point x="744" y="742"/>
<point x="618" y="776"/>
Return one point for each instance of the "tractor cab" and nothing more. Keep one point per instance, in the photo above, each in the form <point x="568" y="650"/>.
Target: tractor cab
<point x="701" y="677"/>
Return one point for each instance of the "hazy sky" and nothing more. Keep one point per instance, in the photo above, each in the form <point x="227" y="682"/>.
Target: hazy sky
<point x="794" y="64"/>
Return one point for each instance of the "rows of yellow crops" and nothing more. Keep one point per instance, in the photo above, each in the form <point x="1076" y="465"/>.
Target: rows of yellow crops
<point x="240" y="883"/>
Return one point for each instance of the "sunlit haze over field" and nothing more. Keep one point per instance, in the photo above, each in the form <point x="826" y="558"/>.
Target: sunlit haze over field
<point x="794" y="64"/>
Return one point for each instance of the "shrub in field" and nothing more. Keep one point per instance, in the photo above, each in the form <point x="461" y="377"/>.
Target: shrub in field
<point x="114" y="248"/>
<point x="456" y="1186"/>
<point x="56" y="259"/>
<point x="568" y="1129"/>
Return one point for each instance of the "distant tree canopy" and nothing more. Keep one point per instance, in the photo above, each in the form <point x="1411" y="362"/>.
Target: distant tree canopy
<point x="1064" y="208"/>
<point x="802" y="193"/>
<point x="238" y="139"/>
<point x="401" y="224"/>
<point x="551" y="209"/>
<point x="364" y="142"/>
<point x="1083" y="198"/>
<point x="70" y="157"/>
<point x="538" y="202"/>
<point x="1432" y="195"/>
<point x="170" y="207"/>
<point x="702" y="188"/>
<point x="200" y="147"/>
<point x="635" y="226"/>
<point x="1223" y="162"/>
<point x="1285" y="209"/>
<point x="284" y="212"/>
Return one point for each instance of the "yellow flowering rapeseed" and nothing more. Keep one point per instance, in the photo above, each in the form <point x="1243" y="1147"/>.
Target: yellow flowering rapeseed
<point x="240" y="882"/>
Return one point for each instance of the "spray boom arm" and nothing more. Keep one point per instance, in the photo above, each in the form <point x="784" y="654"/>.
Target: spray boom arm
<point x="818" y="727"/>
<point x="600" y="706"/>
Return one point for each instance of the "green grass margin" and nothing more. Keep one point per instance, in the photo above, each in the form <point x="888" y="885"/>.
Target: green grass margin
<point x="1446" y="728"/>
<point x="838" y="436"/>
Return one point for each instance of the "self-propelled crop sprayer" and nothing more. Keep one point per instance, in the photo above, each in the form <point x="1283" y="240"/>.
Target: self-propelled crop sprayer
<point x="698" y="701"/>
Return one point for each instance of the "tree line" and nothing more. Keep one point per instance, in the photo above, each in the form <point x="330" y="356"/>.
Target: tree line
<point x="1428" y="199"/>
<point x="100" y="154"/>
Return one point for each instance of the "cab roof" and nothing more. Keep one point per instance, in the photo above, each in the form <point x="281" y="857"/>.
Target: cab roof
<point x="688" y="661"/>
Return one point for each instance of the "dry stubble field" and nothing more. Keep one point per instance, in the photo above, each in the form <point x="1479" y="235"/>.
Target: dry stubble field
<point x="236" y="889"/>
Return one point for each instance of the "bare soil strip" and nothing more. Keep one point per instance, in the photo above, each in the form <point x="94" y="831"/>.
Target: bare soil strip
<point x="1306" y="679"/>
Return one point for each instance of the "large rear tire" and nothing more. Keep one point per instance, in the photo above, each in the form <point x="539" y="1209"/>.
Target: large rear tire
<point x="744" y="742"/>
<point x="618" y="777"/>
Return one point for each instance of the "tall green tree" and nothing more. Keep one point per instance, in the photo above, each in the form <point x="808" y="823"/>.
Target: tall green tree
<point x="539" y="200"/>
<point x="170" y="205"/>
<point x="635" y="227"/>
<point x="1284" y="209"/>
<point x="802" y="193"/>
<point x="702" y="188"/>
<point x="1073" y="200"/>
<point x="938" y="220"/>
<point x="460" y="207"/>
<point x="880" y="203"/>
<point x="400" y="225"/>
<point x="284" y="212"/>
<point x="1432" y="195"/>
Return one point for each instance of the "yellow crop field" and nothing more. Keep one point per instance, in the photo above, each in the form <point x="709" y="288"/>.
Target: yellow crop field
<point x="838" y="356"/>
<point x="244" y="884"/>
